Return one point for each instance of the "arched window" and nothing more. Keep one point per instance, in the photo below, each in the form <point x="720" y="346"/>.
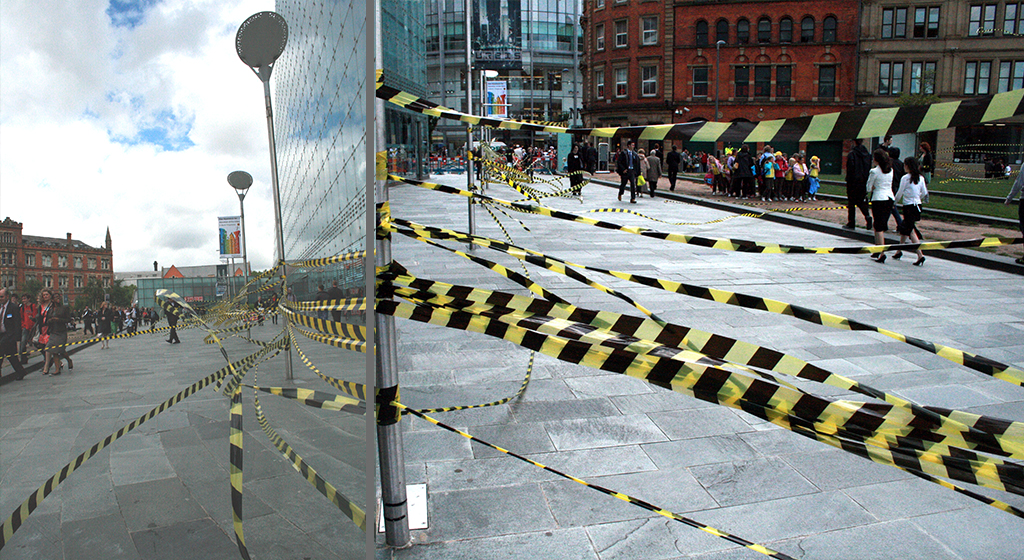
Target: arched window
<point x="764" y="30"/>
<point x="785" y="30"/>
<point x="828" y="29"/>
<point x="701" y="35"/>
<point x="722" y="31"/>
<point x="807" y="30"/>
<point x="743" y="31"/>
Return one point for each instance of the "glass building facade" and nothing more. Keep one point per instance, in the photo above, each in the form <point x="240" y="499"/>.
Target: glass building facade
<point x="320" y="87"/>
<point x="530" y="43"/>
<point x="405" y="67"/>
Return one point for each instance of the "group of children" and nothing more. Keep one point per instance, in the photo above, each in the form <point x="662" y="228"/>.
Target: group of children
<point x="777" y="177"/>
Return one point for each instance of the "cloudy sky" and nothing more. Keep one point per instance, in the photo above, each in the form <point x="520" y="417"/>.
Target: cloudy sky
<point x="129" y="115"/>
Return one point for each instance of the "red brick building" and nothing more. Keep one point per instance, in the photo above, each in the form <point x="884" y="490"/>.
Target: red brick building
<point x="66" y="265"/>
<point x="657" y="62"/>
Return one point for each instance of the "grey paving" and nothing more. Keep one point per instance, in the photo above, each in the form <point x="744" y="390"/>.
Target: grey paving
<point x="162" y="491"/>
<point x="716" y="465"/>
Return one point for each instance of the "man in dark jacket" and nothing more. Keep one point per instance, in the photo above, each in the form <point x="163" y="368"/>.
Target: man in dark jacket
<point x="335" y="293"/>
<point x="743" y="171"/>
<point x="627" y="165"/>
<point x="321" y="295"/>
<point x="591" y="158"/>
<point x="10" y="332"/>
<point x="897" y="173"/>
<point x="858" y="166"/>
<point x="672" y="161"/>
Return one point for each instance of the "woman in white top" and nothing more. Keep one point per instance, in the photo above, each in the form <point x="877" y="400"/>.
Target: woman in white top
<point x="879" y="192"/>
<point x="913" y="190"/>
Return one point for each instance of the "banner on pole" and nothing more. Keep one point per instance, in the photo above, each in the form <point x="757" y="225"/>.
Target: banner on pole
<point x="230" y="236"/>
<point x="497" y="98"/>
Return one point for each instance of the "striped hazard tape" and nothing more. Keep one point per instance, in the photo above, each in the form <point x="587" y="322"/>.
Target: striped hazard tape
<point x="896" y="436"/>
<point x="739" y="245"/>
<point x="845" y="125"/>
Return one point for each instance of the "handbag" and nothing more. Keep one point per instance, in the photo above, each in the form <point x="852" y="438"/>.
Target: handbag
<point x="640" y="181"/>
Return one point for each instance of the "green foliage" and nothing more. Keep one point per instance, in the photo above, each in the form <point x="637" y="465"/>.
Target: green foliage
<point x="92" y="295"/>
<point x="907" y="99"/>
<point x="31" y="287"/>
<point x="121" y="295"/>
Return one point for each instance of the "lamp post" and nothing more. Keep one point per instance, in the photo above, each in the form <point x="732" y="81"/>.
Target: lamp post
<point x="718" y="68"/>
<point x="469" y="108"/>
<point x="259" y="42"/>
<point x="241" y="181"/>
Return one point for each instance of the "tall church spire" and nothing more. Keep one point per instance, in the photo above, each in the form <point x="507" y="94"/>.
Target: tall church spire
<point x="108" y="238"/>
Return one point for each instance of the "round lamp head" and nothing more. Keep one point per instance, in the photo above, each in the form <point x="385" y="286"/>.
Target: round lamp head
<point x="261" y="39"/>
<point x="240" y="180"/>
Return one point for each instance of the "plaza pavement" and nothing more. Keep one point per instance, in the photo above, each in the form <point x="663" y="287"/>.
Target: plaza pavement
<point x="162" y="491"/>
<point x="717" y="465"/>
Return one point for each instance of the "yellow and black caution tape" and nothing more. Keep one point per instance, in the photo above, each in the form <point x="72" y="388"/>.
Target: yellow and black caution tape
<point x="347" y="304"/>
<point x="845" y="125"/>
<point x="18" y="517"/>
<point x="323" y="326"/>
<point x="719" y="220"/>
<point x="1005" y="372"/>
<point x="322" y="262"/>
<point x="624" y="497"/>
<point x="893" y="434"/>
<point x="357" y="390"/>
<point x="336" y="341"/>
<point x="738" y="245"/>
<point x="326" y="489"/>
<point x="1007" y="443"/>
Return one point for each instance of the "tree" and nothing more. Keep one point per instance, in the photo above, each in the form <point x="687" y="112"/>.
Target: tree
<point x="92" y="295"/>
<point x="121" y="295"/>
<point x="31" y="287"/>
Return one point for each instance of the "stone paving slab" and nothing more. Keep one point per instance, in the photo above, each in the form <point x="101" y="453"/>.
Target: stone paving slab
<point x="719" y="466"/>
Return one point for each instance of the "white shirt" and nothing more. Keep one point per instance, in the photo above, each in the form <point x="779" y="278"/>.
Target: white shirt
<point x="879" y="185"/>
<point x="912" y="193"/>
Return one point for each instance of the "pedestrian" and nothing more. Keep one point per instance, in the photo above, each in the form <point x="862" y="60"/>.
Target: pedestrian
<point x="879" y="191"/>
<point x="321" y="295"/>
<point x="672" y="161"/>
<point x="769" y="171"/>
<point x="813" y="183"/>
<point x="574" y="165"/>
<point x="104" y="321"/>
<point x="927" y="161"/>
<point x="653" y="171"/>
<point x="799" y="178"/>
<point x="743" y="172"/>
<point x="643" y="173"/>
<point x="1018" y="186"/>
<point x="858" y="167"/>
<point x="88" y="317"/>
<point x="913" y="190"/>
<point x="627" y="165"/>
<point x="10" y="332"/>
<point x="337" y="295"/>
<point x="172" y="321"/>
<point x="53" y="325"/>
<point x="29" y="310"/>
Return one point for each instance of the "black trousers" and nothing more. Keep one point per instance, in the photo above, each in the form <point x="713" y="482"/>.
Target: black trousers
<point x="174" y="335"/>
<point x="628" y="177"/>
<point x="9" y="347"/>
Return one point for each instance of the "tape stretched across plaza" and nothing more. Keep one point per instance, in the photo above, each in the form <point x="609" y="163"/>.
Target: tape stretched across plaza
<point x="232" y="319"/>
<point x="929" y="442"/>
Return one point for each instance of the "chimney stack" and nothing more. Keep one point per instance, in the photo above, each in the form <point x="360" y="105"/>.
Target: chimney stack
<point x="154" y="266"/>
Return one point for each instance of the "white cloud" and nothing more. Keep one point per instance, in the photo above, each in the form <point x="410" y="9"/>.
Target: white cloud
<point x="85" y="105"/>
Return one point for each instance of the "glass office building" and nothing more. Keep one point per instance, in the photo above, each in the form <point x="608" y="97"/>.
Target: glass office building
<point x="320" y="86"/>
<point x="406" y="133"/>
<point x="530" y="43"/>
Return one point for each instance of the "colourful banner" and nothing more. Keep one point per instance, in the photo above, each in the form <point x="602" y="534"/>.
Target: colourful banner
<point x="230" y="236"/>
<point x="497" y="99"/>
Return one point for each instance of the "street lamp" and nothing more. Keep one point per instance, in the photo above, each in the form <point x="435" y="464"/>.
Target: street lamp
<point x="241" y="181"/>
<point x="718" y="69"/>
<point x="259" y="42"/>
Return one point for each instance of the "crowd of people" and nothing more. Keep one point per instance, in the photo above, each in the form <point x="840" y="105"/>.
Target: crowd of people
<point x="43" y="323"/>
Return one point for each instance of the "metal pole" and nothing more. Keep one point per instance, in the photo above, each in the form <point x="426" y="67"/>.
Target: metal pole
<point x="389" y="437"/>
<point x="718" y="69"/>
<point x="444" y="75"/>
<point x="277" y="201"/>
<point x="469" y="107"/>
<point x="245" y="255"/>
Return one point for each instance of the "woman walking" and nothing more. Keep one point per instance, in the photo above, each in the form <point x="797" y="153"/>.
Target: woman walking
<point x="53" y="324"/>
<point x="104" y="319"/>
<point x="879" y="192"/>
<point x="913" y="190"/>
<point x="927" y="161"/>
<point x="574" y="164"/>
